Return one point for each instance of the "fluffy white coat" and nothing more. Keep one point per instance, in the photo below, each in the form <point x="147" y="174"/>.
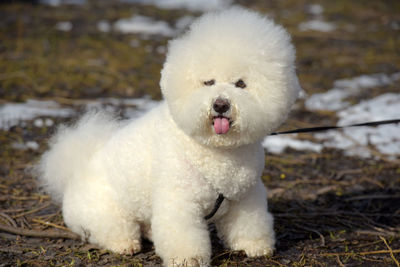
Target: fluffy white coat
<point x="159" y="175"/>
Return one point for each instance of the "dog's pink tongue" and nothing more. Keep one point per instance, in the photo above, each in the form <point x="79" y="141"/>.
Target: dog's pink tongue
<point x="221" y="125"/>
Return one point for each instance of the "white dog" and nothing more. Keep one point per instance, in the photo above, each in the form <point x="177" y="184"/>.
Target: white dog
<point x="227" y="82"/>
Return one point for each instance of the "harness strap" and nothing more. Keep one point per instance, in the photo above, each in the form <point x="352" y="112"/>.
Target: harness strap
<point x="217" y="204"/>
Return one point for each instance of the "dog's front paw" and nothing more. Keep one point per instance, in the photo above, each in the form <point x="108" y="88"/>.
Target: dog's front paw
<point x="256" y="248"/>
<point x="193" y="262"/>
<point x="127" y="247"/>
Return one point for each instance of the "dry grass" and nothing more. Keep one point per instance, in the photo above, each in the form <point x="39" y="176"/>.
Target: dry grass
<point x="330" y="210"/>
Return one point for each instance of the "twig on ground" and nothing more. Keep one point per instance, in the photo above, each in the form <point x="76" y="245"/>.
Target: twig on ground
<point x="32" y="211"/>
<point x="332" y="213"/>
<point x="37" y="233"/>
<point x="49" y="217"/>
<point x="50" y="224"/>
<point x="391" y="251"/>
<point x="371" y="259"/>
<point x="372" y="197"/>
<point x="22" y="198"/>
<point x="276" y="262"/>
<point x="12" y="210"/>
<point x="8" y="218"/>
<point x="341" y="173"/>
<point x="339" y="261"/>
<point x="10" y="250"/>
<point x="314" y="231"/>
<point x="368" y="244"/>
<point x="221" y="254"/>
<point x="371" y="181"/>
<point x="24" y="223"/>
<point x="376" y="233"/>
<point x="360" y="253"/>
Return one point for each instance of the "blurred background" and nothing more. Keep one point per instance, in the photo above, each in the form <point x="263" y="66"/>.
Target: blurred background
<point x="335" y="194"/>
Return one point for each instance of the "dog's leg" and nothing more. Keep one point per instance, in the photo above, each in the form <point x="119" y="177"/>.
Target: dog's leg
<point x="180" y="234"/>
<point x="92" y="213"/>
<point x="248" y="225"/>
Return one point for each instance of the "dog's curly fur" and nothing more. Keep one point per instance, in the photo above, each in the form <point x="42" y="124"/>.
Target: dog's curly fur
<point x="159" y="175"/>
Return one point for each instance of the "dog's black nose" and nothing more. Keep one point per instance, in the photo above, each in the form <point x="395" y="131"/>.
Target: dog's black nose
<point x="221" y="105"/>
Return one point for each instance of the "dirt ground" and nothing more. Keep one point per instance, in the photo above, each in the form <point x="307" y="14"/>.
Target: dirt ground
<point x="330" y="209"/>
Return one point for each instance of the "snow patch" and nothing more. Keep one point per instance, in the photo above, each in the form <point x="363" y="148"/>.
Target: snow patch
<point x="33" y="145"/>
<point x="183" y="22"/>
<point x="161" y="49"/>
<point x="144" y="25"/>
<point x="315" y="9"/>
<point x="64" y="26"/>
<point x="367" y="81"/>
<point x="57" y="3"/>
<point x="192" y="5"/>
<point x="359" y="140"/>
<point x="383" y="107"/>
<point x="40" y="122"/>
<point x="317" y="25"/>
<point x="334" y="99"/>
<point x="103" y="26"/>
<point x="11" y="114"/>
<point x="278" y="143"/>
<point x="355" y="141"/>
<point x="302" y="94"/>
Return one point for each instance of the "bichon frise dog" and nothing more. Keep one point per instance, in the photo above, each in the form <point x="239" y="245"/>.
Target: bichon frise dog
<point x="227" y="82"/>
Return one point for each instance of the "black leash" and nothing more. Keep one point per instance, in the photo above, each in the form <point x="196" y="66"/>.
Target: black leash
<point x="220" y="198"/>
<point x="325" y="128"/>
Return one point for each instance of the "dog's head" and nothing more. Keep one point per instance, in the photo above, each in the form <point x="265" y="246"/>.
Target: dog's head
<point x="230" y="80"/>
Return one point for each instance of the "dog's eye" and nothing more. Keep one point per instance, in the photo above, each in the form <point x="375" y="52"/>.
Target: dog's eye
<point x="209" y="83"/>
<point x="240" y="83"/>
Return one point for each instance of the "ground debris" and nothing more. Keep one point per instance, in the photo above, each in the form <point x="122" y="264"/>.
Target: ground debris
<point x="330" y="209"/>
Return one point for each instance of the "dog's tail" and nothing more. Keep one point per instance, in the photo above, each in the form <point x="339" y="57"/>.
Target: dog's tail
<point x="70" y="150"/>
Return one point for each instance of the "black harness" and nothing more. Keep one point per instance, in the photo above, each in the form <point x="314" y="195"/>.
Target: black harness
<point x="217" y="204"/>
